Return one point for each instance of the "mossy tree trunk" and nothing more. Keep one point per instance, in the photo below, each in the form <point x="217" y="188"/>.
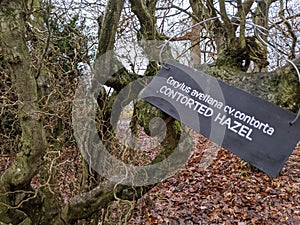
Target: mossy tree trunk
<point x="16" y="59"/>
<point x="280" y="87"/>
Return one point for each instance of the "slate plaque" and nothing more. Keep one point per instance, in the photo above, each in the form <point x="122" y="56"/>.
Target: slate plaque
<point x="254" y="129"/>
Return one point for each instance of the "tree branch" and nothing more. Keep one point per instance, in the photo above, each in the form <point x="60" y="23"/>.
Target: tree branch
<point x="106" y="63"/>
<point x="108" y="26"/>
<point x="227" y="23"/>
<point x="290" y="32"/>
<point x="242" y="14"/>
<point x="84" y="205"/>
<point x="145" y="13"/>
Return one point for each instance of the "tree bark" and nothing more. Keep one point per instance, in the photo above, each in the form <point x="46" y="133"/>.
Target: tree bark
<point x="145" y="11"/>
<point x="280" y="87"/>
<point x="84" y="205"/>
<point x="261" y="19"/>
<point x="195" y="45"/>
<point x="108" y="26"/>
<point x="16" y="58"/>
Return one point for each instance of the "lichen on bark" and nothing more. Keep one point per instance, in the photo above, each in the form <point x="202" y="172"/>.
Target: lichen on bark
<point x="33" y="142"/>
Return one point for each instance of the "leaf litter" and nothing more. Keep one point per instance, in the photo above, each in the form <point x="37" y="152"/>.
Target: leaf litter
<point x="226" y="191"/>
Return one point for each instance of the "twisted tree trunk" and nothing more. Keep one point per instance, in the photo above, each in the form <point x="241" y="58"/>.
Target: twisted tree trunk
<point x="15" y="57"/>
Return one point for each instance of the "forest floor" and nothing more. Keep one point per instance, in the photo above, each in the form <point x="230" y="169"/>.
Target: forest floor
<point x="228" y="191"/>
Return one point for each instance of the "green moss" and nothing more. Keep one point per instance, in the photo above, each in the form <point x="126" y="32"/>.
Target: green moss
<point x="27" y="221"/>
<point x="225" y="60"/>
<point x="4" y="220"/>
<point x="289" y="90"/>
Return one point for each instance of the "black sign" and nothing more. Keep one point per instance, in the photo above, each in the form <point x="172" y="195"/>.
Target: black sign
<point x="250" y="127"/>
